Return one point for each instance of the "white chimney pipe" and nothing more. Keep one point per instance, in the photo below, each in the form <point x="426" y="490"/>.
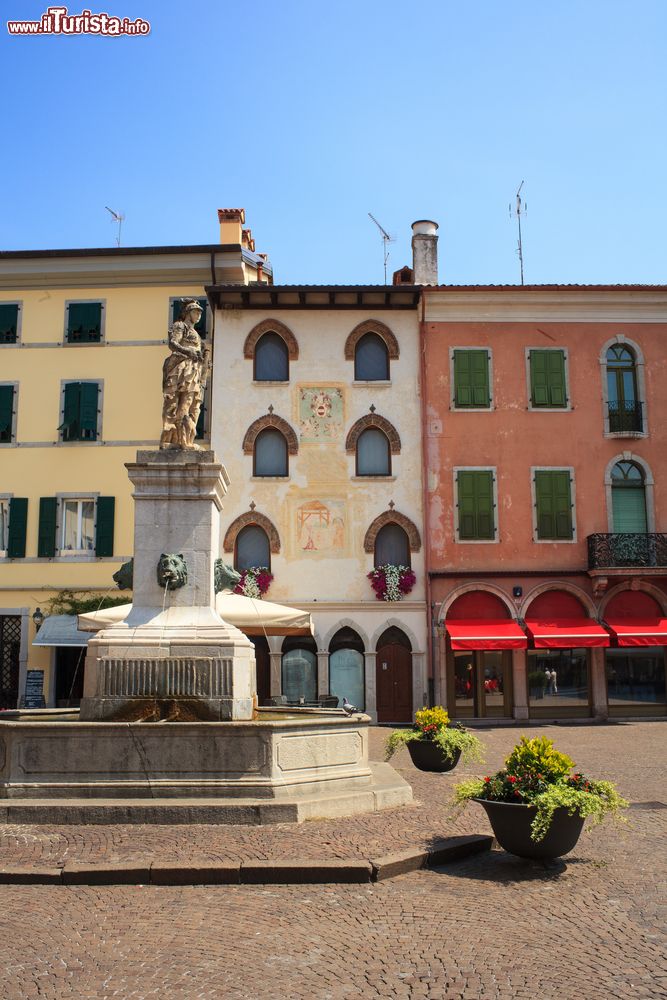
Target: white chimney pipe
<point x="425" y="252"/>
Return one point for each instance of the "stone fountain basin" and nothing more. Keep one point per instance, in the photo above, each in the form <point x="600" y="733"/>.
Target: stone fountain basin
<point x="281" y="768"/>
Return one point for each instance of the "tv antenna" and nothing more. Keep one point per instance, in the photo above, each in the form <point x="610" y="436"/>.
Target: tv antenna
<point x="386" y="240"/>
<point x="118" y="218"/>
<point x="520" y="209"/>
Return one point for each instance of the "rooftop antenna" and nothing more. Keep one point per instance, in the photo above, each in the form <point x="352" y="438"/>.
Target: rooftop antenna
<point x="386" y="240"/>
<point x="520" y="209"/>
<point x="116" y="217"/>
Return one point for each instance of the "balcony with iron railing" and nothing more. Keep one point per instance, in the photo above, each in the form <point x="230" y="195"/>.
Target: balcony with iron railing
<point x="628" y="549"/>
<point x="626" y="417"/>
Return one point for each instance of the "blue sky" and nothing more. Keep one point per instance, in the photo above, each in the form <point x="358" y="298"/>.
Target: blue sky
<point x="311" y="115"/>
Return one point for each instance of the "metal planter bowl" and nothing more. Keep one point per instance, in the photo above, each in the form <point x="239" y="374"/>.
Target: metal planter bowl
<point x="429" y="756"/>
<point x="511" y="826"/>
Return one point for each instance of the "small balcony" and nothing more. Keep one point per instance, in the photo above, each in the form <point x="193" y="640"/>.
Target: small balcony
<point x="632" y="550"/>
<point x="626" y="417"/>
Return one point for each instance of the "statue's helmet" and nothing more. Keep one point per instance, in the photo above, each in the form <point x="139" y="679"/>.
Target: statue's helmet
<point x="192" y="306"/>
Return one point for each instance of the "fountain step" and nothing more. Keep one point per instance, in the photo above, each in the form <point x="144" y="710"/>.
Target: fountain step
<point x="386" y="789"/>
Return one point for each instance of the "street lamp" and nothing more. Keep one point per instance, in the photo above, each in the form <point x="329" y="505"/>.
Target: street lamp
<point x="37" y="618"/>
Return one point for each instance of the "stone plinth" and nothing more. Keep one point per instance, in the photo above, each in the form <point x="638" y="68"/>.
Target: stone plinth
<point x="173" y="656"/>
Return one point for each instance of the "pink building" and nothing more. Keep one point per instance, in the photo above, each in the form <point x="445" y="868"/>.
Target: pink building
<point x="545" y="456"/>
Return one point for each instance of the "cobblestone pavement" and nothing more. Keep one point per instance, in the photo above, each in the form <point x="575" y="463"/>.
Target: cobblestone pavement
<point x="590" y="926"/>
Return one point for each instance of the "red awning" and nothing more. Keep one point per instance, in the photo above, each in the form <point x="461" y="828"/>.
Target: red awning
<point x="566" y="633"/>
<point x="638" y="631"/>
<point x="486" y="633"/>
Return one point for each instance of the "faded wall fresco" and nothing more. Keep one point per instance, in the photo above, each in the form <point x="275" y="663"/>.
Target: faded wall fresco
<point x="321" y="412"/>
<point x="321" y="526"/>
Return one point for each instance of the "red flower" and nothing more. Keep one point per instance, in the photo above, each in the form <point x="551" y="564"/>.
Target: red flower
<point x="511" y="778"/>
<point x="487" y="779"/>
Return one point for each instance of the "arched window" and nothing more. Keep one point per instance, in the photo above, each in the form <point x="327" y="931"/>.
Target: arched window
<point x="252" y="548"/>
<point x="371" y="359"/>
<point x="299" y="669"/>
<point x="271" y="359"/>
<point x="270" y="454"/>
<point x="373" y="453"/>
<point x="346" y="667"/>
<point x="392" y="545"/>
<point x="625" y="412"/>
<point x="628" y="498"/>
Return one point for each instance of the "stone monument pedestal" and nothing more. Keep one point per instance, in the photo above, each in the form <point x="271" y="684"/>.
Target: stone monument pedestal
<point x="173" y="657"/>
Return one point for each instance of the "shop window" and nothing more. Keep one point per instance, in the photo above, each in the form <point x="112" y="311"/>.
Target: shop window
<point x="271" y="359"/>
<point x="299" y="670"/>
<point x="270" y="454"/>
<point x="9" y="322"/>
<point x="373" y="453"/>
<point x="636" y="677"/>
<point x="346" y="667"/>
<point x="628" y="499"/>
<point x="471" y="379"/>
<point x="548" y="388"/>
<point x="80" y="411"/>
<point x="84" y="322"/>
<point x="252" y="548"/>
<point x="557" y="678"/>
<point x="371" y="359"/>
<point x="553" y="505"/>
<point x="475" y="505"/>
<point x="7" y="413"/>
<point x="392" y="546"/>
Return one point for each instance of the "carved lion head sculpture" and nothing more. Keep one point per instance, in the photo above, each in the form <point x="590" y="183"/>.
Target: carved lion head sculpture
<point x="172" y="572"/>
<point x="226" y="577"/>
<point x="124" y="577"/>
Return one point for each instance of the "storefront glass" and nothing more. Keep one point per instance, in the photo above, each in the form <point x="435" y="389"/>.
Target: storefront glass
<point x="636" y="676"/>
<point x="480" y="684"/>
<point x="346" y="676"/>
<point x="299" y="669"/>
<point x="557" y="678"/>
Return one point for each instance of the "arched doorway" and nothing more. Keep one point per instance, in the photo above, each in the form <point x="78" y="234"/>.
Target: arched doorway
<point x="479" y="675"/>
<point x="346" y="667"/>
<point x="628" y="499"/>
<point x="263" y="667"/>
<point x="393" y="676"/>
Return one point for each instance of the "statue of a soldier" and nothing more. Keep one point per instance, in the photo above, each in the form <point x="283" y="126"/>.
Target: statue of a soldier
<point x="184" y="377"/>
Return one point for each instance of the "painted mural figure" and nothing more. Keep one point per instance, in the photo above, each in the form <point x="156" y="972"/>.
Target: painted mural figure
<point x="184" y="377"/>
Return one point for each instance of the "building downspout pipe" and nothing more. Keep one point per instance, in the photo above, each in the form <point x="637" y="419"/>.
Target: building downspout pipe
<point x="433" y="659"/>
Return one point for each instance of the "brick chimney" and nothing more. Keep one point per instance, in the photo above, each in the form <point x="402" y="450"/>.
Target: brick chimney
<point x="231" y="224"/>
<point x="425" y="252"/>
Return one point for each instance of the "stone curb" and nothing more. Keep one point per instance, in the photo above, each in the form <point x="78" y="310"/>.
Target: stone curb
<point x="293" y="872"/>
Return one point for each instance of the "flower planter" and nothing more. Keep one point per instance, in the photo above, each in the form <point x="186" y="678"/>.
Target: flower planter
<point x="511" y="826"/>
<point x="429" y="756"/>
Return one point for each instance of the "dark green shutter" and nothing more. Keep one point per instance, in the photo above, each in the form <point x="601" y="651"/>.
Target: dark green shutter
<point x="9" y="322"/>
<point x="84" y="322"/>
<point x="46" y="539"/>
<point x="201" y="422"/>
<point x="471" y="378"/>
<point x="18" y="521"/>
<point x="554" y="505"/>
<point x="628" y="506"/>
<point x="475" y="502"/>
<point x="105" y="523"/>
<point x="547" y="378"/>
<point x="6" y="412"/>
<point x="177" y="307"/>
<point x="88" y="410"/>
<point x="71" y="411"/>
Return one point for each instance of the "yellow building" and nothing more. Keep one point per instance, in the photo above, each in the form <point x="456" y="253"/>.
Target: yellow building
<point x="83" y="334"/>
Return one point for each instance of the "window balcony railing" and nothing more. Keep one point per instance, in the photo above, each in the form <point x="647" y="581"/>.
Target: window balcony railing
<point x="631" y="549"/>
<point x="626" y="417"/>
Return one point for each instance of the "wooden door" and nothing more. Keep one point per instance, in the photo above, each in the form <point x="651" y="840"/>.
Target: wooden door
<point x="394" y="683"/>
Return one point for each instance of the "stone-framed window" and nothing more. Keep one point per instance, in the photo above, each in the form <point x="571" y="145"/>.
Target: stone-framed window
<point x="271" y="346"/>
<point x="84" y="321"/>
<point x="9" y="394"/>
<point x="81" y="411"/>
<point x="10" y="323"/>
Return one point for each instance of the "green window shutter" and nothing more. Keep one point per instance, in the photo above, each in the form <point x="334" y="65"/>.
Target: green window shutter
<point x="471" y="378"/>
<point x="106" y="507"/>
<point x="547" y="378"/>
<point x="84" y="322"/>
<point x="18" y="522"/>
<point x="6" y="412"/>
<point x="201" y="422"/>
<point x="554" y="504"/>
<point x="9" y="322"/>
<point x="46" y="539"/>
<point x="88" y="410"/>
<point x="556" y="377"/>
<point x="628" y="509"/>
<point x="70" y="426"/>
<point x="475" y="503"/>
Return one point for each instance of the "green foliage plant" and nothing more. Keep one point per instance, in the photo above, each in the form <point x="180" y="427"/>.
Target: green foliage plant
<point x="536" y="774"/>
<point x="433" y="725"/>
<point x="71" y="602"/>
